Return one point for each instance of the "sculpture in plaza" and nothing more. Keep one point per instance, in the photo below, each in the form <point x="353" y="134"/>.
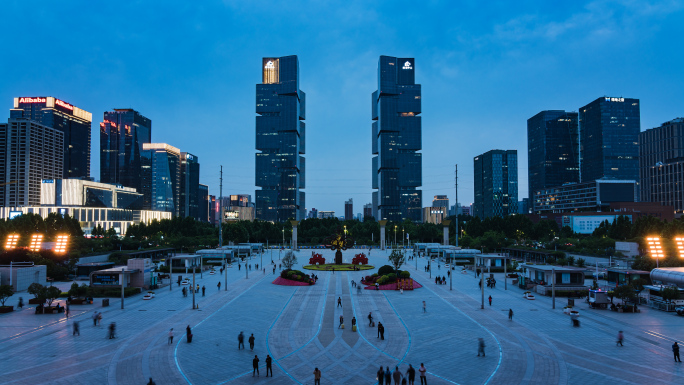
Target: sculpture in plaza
<point x="339" y="242"/>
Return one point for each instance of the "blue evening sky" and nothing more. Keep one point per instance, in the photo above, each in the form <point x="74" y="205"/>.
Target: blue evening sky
<point x="485" y="68"/>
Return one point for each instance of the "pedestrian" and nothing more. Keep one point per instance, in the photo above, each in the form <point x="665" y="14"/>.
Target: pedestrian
<point x="341" y="321"/>
<point x="269" y="368"/>
<point x="188" y="334"/>
<point x="381" y="376"/>
<point x="99" y="318"/>
<point x="620" y="338"/>
<point x="219" y="286"/>
<point x="370" y="319"/>
<point x="479" y="283"/>
<point x="239" y="266"/>
<point x="382" y="332"/>
<point x="411" y="373"/>
<point x="379" y="327"/>
<point x="95" y="318"/>
<point x="388" y="376"/>
<point x="66" y="310"/>
<point x="241" y="341"/>
<point x="76" y="329"/>
<point x="21" y="303"/>
<point x="353" y="323"/>
<point x="203" y="289"/>
<point x="251" y="341"/>
<point x="151" y="382"/>
<point x="510" y="314"/>
<point x="197" y="290"/>
<point x="255" y="365"/>
<point x="490" y="300"/>
<point x="480" y="347"/>
<point x="424" y="311"/>
<point x="317" y="376"/>
<point x="112" y="330"/>
<point x="339" y="301"/>
<point x="396" y="375"/>
<point x="170" y="336"/>
<point x="675" y="350"/>
<point x="422" y="370"/>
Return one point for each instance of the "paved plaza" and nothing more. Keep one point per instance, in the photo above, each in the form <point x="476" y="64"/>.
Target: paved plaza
<point x="298" y="328"/>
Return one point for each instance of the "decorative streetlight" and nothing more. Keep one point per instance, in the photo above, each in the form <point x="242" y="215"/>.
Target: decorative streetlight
<point x="283" y="244"/>
<point x="655" y="248"/>
<point x="403" y="236"/>
<point x="395" y="236"/>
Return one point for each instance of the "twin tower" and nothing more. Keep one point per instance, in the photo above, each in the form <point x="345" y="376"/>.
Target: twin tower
<point x="281" y="132"/>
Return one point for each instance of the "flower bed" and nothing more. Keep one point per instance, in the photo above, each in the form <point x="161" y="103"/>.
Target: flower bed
<point x="343" y="267"/>
<point x="392" y="286"/>
<point x="288" y="282"/>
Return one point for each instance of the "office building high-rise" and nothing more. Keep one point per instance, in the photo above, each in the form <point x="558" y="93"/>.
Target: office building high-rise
<point x="661" y="161"/>
<point x="609" y="139"/>
<point x="397" y="164"/>
<point x="280" y="141"/>
<point x="161" y="165"/>
<point x="552" y="150"/>
<point x="349" y="210"/>
<point x="368" y="210"/>
<point x="204" y="202"/>
<point x="29" y="153"/>
<point x="440" y="201"/>
<point x="72" y="121"/>
<point x="496" y="183"/>
<point x="122" y="135"/>
<point x="189" y="186"/>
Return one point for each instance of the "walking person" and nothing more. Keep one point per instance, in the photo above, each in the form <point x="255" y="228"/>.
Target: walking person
<point x="422" y="370"/>
<point x="317" y="376"/>
<point x="341" y="321"/>
<point x="170" y="336"/>
<point x="379" y="327"/>
<point x="219" y="286"/>
<point x="188" y="334"/>
<point x="269" y="368"/>
<point x="76" y="329"/>
<point x="381" y="376"/>
<point x="621" y="337"/>
<point x="255" y="366"/>
<point x="95" y="318"/>
<point x="112" y="330"/>
<point x="388" y="376"/>
<point x="241" y="341"/>
<point x="480" y="347"/>
<point x="382" y="331"/>
<point x="21" y="303"/>
<point x="339" y="301"/>
<point x="411" y="373"/>
<point x="203" y="289"/>
<point x="424" y="311"/>
<point x="353" y="323"/>
<point x="490" y="300"/>
<point x="510" y="314"/>
<point x="251" y="342"/>
<point x="66" y="310"/>
<point x="675" y="350"/>
<point x="397" y="375"/>
<point x="370" y="319"/>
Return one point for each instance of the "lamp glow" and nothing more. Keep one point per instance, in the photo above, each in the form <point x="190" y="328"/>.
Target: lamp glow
<point x="36" y="242"/>
<point x="654" y="247"/>
<point x="12" y="240"/>
<point x="61" y="244"/>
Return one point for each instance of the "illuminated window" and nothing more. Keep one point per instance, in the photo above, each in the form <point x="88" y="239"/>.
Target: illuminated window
<point x="654" y="247"/>
<point x="61" y="244"/>
<point x="36" y="242"/>
<point x="12" y="240"/>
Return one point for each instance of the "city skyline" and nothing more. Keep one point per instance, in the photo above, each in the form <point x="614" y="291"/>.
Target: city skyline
<point x="483" y="76"/>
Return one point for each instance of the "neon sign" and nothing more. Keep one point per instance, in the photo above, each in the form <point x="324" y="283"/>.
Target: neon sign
<point x="64" y="104"/>
<point x="407" y="66"/>
<point x="615" y="99"/>
<point x="32" y="100"/>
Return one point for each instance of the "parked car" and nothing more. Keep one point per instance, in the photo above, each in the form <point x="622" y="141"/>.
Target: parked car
<point x="679" y="310"/>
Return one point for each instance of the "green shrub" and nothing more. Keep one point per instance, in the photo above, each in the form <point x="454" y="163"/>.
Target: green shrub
<point x="405" y="274"/>
<point x="391" y="277"/>
<point x="381" y="280"/>
<point x="384" y="270"/>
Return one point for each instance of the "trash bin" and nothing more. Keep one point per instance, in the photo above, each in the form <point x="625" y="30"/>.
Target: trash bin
<point x="105" y="302"/>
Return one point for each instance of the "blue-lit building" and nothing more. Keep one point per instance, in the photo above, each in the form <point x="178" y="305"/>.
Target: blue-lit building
<point x="397" y="162"/>
<point x="161" y="176"/>
<point x="280" y="141"/>
<point x="553" y="150"/>
<point x="496" y="183"/>
<point x="609" y="139"/>
<point x="74" y="122"/>
<point x="189" y="186"/>
<point x="122" y="135"/>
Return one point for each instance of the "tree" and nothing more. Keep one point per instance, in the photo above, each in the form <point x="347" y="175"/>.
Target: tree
<point x="5" y="292"/>
<point x="397" y="259"/>
<point x="580" y="262"/>
<point x="670" y="293"/>
<point x="51" y="293"/>
<point x="625" y="293"/>
<point x="35" y="289"/>
<point x="289" y="260"/>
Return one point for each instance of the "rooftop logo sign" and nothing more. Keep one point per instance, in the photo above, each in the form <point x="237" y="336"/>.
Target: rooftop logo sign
<point x="270" y="65"/>
<point x="407" y="66"/>
<point x="615" y="99"/>
<point x="64" y="105"/>
<point x="32" y="100"/>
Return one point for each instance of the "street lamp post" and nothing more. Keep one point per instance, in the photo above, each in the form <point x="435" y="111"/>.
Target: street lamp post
<point x="403" y="236"/>
<point x="395" y="236"/>
<point x="283" y="244"/>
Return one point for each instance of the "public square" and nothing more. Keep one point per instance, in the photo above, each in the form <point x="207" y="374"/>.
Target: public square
<point x="298" y="328"/>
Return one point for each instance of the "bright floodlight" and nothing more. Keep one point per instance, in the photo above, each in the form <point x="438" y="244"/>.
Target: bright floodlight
<point x="61" y="244"/>
<point x="654" y="247"/>
<point x="36" y="242"/>
<point x="12" y="240"/>
<point x="680" y="246"/>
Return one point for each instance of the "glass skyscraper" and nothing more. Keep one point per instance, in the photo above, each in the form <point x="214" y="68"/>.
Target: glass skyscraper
<point x="553" y="150"/>
<point x="496" y="183"/>
<point x="397" y="164"/>
<point x="74" y="122"/>
<point x="190" y="186"/>
<point x="280" y="141"/>
<point x="609" y="139"/>
<point x="122" y="135"/>
<point x="161" y="176"/>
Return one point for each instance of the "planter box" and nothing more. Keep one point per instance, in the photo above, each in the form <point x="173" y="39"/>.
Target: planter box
<point x="79" y="301"/>
<point x="34" y="301"/>
<point x="6" y="309"/>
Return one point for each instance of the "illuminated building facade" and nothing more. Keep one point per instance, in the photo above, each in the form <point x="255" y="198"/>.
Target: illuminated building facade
<point x="496" y="183"/>
<point x="189" y="186"/>
<point x="397" y="162"/>
<point x="609" y="139"/>
<point x="161" y="165"/>
<point x="122" y="135"/>
<point x="72" y="121"/>
<point x="280" y="141"/>
<point x="29" y="153"/>
<point x="552" y="150"/>
<point x="661" y="164"/>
